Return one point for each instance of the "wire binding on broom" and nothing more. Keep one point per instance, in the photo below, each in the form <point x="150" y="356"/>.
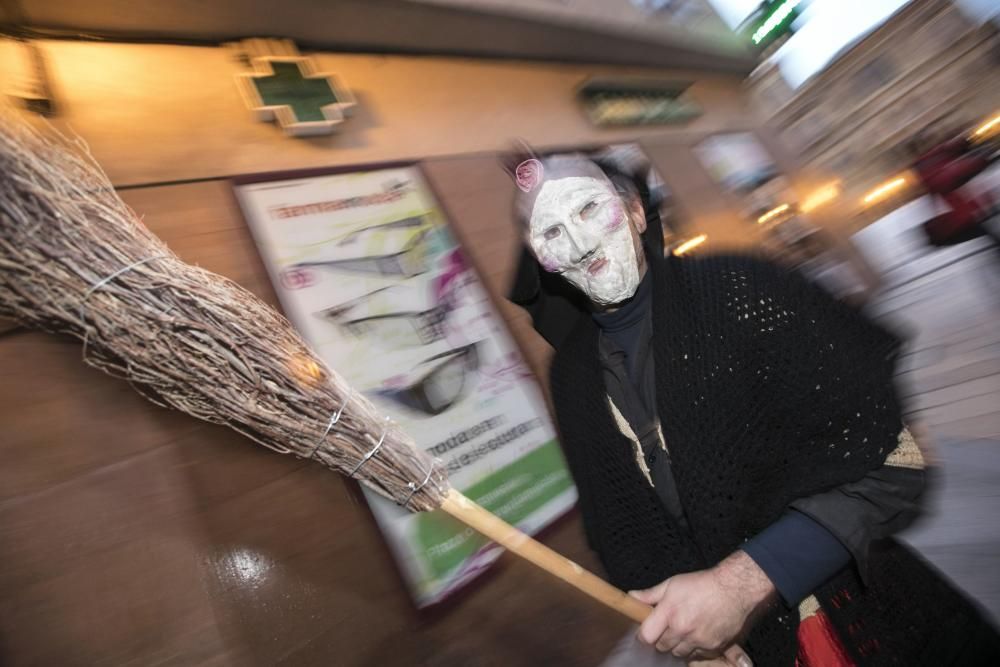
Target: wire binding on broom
<point x="370" y="454"/>
<point x="414" y="488"/>
<point x="98" y="285"/>
<point x="334" y="418"/>
<point x="107" y="279"/>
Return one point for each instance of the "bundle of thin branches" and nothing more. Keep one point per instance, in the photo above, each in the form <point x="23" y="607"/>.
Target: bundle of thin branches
<point x="74" y="259"/>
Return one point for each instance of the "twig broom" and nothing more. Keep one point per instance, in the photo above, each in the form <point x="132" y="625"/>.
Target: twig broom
<point x="75" y="260"/>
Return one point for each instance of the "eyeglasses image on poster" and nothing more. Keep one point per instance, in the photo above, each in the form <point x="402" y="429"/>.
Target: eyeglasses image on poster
<point x="401" y="316"/>
<point x="437" y="383"/>
<point x="392" y="248"/>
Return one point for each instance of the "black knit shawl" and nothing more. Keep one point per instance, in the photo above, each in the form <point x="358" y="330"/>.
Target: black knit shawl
<point x="768" y="390"/>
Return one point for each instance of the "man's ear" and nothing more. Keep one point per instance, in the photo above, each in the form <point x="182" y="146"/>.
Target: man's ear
<point x="635" y="211"/>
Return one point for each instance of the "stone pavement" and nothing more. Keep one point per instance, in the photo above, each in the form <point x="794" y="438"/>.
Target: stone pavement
<point x="948" y="301"/>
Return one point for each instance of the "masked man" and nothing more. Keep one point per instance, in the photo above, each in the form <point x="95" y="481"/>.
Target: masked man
<point x="735" y="440"/>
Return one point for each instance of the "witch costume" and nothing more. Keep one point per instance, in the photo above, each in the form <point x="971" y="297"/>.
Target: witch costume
<point x="733" y="405"/>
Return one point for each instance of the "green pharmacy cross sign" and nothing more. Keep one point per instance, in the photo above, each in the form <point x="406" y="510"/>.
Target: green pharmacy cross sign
<point x="774" y="19"/>
<point x="288" y="89"/>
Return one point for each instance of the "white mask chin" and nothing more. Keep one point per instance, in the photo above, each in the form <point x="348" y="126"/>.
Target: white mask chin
<point x="579" y="228"/>
<point x="616" y="283"/>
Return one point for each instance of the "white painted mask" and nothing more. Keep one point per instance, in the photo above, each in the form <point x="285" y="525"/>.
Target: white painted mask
<point x="579" y="228"/>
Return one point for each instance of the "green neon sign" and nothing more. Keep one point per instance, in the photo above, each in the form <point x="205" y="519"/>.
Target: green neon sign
<point x="779" y="17"/>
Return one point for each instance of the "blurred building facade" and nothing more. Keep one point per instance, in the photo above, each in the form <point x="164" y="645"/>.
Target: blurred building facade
<point x="930" y="67"/>
<point x="687" y="20"/>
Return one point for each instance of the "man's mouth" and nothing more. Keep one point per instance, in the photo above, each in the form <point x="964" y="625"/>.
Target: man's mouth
<point x="597" y="266"/>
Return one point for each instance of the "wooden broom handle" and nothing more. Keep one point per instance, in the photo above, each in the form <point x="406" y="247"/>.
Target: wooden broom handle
<point x="498" y="530"/>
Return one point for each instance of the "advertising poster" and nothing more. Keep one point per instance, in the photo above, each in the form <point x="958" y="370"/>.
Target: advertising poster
<point x="369" y="273"/>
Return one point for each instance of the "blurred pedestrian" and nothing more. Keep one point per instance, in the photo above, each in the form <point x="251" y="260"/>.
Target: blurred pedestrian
<point x="945" y="170"/>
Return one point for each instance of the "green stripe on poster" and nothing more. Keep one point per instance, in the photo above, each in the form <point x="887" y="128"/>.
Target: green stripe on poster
<point x="513" y="493"/>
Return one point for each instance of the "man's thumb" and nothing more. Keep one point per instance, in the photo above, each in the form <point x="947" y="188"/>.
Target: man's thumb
<point x="650" y="595"/>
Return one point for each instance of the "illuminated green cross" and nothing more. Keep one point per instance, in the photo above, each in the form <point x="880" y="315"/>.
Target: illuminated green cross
<point x="287" y="88"/>
<point x="307" y="97"/>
